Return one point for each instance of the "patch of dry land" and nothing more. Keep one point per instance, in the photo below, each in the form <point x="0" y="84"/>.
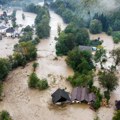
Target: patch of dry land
<point x="26" y="104"/>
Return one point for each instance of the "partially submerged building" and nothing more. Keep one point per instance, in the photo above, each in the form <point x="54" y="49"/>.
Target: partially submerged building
<point x="60" y="96"/>
<point x="10" y="32"/>
<point x="81" y="94"/>
<point x="87" y="48"/>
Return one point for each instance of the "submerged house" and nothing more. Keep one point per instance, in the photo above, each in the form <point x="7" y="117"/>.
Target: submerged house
<point x="81" y="94"/>
<point x="87" y="48"/>
<point x="10" y="32"/>
<point x="60" y="96"/>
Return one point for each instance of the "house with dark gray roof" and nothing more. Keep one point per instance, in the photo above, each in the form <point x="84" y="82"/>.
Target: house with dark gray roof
<point x="60" y="96"/>
<point x="82" y="94"/>
<point x="10" y="32"/>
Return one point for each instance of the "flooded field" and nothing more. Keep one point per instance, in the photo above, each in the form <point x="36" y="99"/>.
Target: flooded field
<point x="26" y="104"/>
<point x="7" y="43"/>
<point x="29" y="18"/>
<point x="7" y="46"/>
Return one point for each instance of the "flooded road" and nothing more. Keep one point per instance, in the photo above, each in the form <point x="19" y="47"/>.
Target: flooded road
<point x="26" y="104"/>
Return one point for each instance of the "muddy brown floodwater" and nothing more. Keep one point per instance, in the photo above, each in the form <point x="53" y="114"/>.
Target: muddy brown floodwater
<point x="26" y="104"/>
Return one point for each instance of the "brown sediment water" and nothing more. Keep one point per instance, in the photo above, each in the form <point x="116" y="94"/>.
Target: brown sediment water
<point x="29" y="18"/>
<point x="28" y="104"/>
<point x="107" y="40"/>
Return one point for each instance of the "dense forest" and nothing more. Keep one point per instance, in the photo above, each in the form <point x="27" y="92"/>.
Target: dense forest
<point x="96" y="15"/>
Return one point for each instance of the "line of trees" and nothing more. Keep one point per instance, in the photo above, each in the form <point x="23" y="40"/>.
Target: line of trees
<point x="41" y="21"/>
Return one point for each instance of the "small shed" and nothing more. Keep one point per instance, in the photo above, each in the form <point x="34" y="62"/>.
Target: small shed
<point x="60" y="95"/>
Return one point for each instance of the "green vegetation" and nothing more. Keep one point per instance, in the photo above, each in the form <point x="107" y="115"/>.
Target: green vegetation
<point x="116" y="36"/>
<point x="80" y="61"/>
<point x="91" y="14"/>
<point x="116" y="115"/>
<point x="81" y="79"/>
<point x="4" y="115"/>
<point x="41" y="21"/>
<point x="116" y="56"/>
<point x="27" y="34"/>
<point x="71" y="37"/>
<point x="24" y="51"/>
<point x="100" y="56"/>
<point x="108" y="80"/>
<point x="42" y="84"/>
<point x="1" y="89"/>
<point x="95" y="26"/>
<point x="35" y="65"/>
<point x="35" y="82"/>
<point x="4" y="68"/>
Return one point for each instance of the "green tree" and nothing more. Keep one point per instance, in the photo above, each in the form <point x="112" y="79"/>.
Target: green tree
<point x="42" y="84"/>
<point x="82" y="37"/>
<point x="4" y="68"/>
<point x="100" y="56"/>
<point x="95" y="26"/>
<point x="108" y="80"/>
<point x="81" y="79"/>
<point x="65" y="43"/>
<point x="80" y="61"/>
<point x="116" y="25"/>
<point x="35" y="66"/>
<point x="116" y="56"/>
<point x="116" y="36"/>
<point x="4" y="115"/>
<point x="33" y="80"/>
<point x="59" y="29"/>
<point x="116" y="115"/>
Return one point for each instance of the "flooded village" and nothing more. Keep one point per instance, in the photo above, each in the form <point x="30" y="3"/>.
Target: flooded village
<point x="24" y="103"/>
